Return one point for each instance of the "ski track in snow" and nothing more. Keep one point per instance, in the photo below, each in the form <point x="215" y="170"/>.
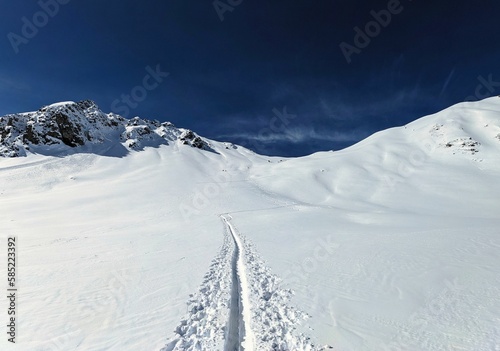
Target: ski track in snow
<point x="240" y="306"/>
<point x="233" y="325"/>
<point x="245" y="334"/>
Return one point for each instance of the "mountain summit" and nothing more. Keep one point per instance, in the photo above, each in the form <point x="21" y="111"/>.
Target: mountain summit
<point x="61" y="127"/>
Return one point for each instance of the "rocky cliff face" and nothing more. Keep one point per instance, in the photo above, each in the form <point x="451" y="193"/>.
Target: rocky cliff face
<point x="64" y="126"/>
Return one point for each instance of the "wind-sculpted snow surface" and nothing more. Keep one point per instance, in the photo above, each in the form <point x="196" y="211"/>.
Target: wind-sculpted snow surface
<point x="391" y="244"/>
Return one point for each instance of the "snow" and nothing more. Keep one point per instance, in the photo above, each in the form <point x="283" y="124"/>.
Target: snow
<point x="391" y="244"/>
<point x="61" y="104"/>
<point x="247" y="337"/>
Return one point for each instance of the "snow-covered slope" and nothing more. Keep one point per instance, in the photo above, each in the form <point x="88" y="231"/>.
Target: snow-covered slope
<point x="391" y="244"/>
<point x="459" y="146"/>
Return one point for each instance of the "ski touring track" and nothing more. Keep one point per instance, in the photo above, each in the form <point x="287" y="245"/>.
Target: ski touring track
<point x="240" y="305"/>
<point x="241" y="338"/>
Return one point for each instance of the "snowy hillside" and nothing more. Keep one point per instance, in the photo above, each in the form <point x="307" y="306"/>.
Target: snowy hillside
<point x="128" y="239"/>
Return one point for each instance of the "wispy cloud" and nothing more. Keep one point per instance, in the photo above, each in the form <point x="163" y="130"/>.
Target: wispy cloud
<point x="298" y="135"/>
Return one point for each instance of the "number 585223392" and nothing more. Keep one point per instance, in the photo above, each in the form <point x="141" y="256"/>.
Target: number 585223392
<point x="11" y="262"/>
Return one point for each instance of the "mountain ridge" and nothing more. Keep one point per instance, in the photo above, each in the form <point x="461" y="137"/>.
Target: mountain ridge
<point x="68" y="127"/>
<point x="58" y="128"/>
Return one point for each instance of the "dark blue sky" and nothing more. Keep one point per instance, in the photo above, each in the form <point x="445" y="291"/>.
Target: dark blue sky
<point x="226" y="77"/>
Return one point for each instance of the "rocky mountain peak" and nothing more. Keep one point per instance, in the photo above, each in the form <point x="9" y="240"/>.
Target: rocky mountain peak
<point x="64" y="126"/>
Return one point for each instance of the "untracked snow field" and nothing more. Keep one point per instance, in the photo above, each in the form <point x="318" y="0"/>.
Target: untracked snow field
<point x="391" y="244"/>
